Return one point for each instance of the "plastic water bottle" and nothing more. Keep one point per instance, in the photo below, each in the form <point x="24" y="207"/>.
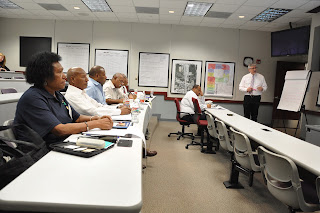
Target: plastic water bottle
<point x="126" y="101"/>
<point x="151" y="93"/>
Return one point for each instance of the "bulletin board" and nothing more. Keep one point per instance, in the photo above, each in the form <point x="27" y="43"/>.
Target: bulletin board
<point x="74" y="55"/>
<point x="113" y="61"/>
<point x="153" y="69"/>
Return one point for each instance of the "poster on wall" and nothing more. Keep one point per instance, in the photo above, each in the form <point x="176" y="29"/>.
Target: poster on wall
<point x="184" y="75"/>
<point x="74" y="55"/>
<point x="219" y="79"/>
<point x="153" y="69"/>
<point x="113" y="61"/>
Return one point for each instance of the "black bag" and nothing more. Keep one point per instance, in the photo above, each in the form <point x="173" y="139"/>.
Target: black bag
<point x="14" y="161"/>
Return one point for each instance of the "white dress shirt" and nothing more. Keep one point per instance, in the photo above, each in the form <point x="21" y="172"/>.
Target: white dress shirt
<point x="259" y="81"/>
<point x="86" y="105"/>
<point x="187" y="104"/>
<point x="111" y="92"/>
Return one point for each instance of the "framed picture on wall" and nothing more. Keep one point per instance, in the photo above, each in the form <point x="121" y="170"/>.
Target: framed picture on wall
<point x="318" y="98"/>
<point x="219" y="79"/>
<point x="184" y="75"/>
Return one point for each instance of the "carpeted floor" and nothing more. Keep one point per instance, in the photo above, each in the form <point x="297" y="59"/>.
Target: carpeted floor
<point x="185" y="180"/>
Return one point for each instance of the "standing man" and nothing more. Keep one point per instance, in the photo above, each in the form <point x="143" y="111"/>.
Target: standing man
<point x="97" y="78"/>
<point x="253" y="84"/>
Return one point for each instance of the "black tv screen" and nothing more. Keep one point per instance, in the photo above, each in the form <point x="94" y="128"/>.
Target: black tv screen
<point x="32" y="45"/>
<point x="290" y="42"/>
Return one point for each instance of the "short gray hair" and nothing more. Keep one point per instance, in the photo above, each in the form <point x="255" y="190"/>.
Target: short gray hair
<point x="252" y="65"/>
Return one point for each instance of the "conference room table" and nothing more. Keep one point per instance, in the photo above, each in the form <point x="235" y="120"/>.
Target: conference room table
<point x="108" y="182"/>
<point x="304" y="154"/>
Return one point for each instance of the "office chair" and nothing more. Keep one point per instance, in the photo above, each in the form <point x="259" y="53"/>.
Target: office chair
<point x="244" y="159"/>
<point x="212" y="130"/>
<point x="281" y="176"/>
<point x="8" y="90"/>
<point x="182" y="122"/>
<point x="202" y="126"/>
<point x="9" y="133"/>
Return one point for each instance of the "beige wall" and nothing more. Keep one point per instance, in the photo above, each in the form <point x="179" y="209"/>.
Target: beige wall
<point x="182" y="42"/>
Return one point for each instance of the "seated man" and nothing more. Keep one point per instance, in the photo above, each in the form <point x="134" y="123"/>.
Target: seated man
<point x="97" y="78"/>
<point x="111" y="89"/>
<point x="81" y="102"/>
<point x="123" y="89"/>
<point x="187" y="106"/>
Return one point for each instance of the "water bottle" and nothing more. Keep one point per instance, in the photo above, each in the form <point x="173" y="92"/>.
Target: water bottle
<point x="151" y="93"/>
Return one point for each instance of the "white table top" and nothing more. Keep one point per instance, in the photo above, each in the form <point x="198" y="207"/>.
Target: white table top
<point x="302" y="153"/>
<point x="10" y="97"/>
<point x="108" y="182"/>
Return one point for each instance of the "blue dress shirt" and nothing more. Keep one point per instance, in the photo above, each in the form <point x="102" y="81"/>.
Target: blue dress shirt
<point x="95" y="91"/>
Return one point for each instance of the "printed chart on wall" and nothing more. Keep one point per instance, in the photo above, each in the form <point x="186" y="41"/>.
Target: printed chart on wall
<point x="219" y="79"/>
<point x="113" y="61"/>
<point x="153" y="69"/>
<point x="74" y="55"/>
<point x="184" y="75"/>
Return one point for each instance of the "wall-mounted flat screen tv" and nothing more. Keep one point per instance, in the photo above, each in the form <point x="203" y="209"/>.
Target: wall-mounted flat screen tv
<point x="32" y="45"/>
<point x="290" y="42"/>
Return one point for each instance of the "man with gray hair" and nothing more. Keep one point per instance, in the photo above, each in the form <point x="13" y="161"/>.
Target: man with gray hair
<point x="253" y="84"/>
<point x="111" y="89"/>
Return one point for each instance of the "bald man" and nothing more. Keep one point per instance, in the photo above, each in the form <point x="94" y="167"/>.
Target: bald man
<point x="111" y="89"/>
<point x="81" y="102"/>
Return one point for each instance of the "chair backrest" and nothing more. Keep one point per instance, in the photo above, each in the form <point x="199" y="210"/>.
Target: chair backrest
<point x="197" y="110"/>
<point x="9" y="133"/>
<point x="243" y="151"/>
<point x="282" y="179"/>
<point x="178" y="108"/>
<point x="224" y="135"/>
<point x="211" y="126"/>
<point x="8" y="90"/>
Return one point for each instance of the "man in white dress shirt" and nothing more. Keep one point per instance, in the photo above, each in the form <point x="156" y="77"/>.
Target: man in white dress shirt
<point x="187" y="106"/>
<point x="253" y="84"/>
<point x="112" y="90"/>
<point x="81" y="102"/>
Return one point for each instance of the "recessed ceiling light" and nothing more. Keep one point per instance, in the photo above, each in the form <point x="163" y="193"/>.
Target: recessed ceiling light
<point x="76" y="8"/>
<point x="8" y="5"/>
<point x="97" y="5"/>
<point x="270" y="14"/>
<point x="171" y="11"/>
<point x="197" y="8"/>
<point x="241" y="16"/>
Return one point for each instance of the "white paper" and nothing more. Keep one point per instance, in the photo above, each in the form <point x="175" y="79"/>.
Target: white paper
<point x="122" y="117"/>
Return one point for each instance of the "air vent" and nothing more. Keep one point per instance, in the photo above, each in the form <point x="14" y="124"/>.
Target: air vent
<point x="57" y="7"/>
<point x="148" y="10"/>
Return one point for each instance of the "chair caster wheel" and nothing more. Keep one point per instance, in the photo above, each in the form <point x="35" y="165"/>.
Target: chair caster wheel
<point x="178" y="138"/>
<point x="169" y="135"/>
<point x="202" y="151"/>
<point x="192" y="137"/>
<point x="186" y="147"/>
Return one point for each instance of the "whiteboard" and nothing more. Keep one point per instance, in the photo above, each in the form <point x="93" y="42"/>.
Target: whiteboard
<point x="113" y="61"/>
<point x="294" y="90"/>
<point x="74" y="55"/>
<point x="153" y="69"/>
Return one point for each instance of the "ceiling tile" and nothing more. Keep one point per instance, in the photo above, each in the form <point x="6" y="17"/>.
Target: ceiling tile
<point x="261" y="3"/>
<point x="61" y="13"/>
<point x="142" y="16"/>
<point x="22" y="1"/>
<point x="286" y="20"/>
<point x="234" y="22"/>
<point x="20" y="11"/>
<point x="128" y="19"/>
<point x="169" y="21"/>
<point x="173" y="4"/>
<point x="246" y="16"/>
<point x="127" y="15"/>
<point x="88" y="18"/>
<point x="46" y="1"/>
<point x="104" y="14"/>
<point x="243" y="27"/>
<point x="310" y="5"/>
<point x="83" y="8"/>
<point x="146" y="3"/>
<point x="224" y="7"/>
<point x="237" y="2"/>
<point x="70" y="2"/>
<point x="190" y="23"/>
<point x="120" y="3"/>
<point x="123" y="9"/>
<point x="151" y="21"/>
<point x="254" y="24"/>
<point x="213" y="20"/>
<point x="169" y="17"/>
<point x="33" y="5"/>
<point x="165" y="11"/>
<point x="229" y="26"/>
<point x="41" y="12"/>
<point x="191" y="19"/>
<point x="289" y="4"/>
<point x="114" y="19"/>
<point x="298" y="14"/>
<point x="209" y="24"/>
<point x="250" y="10"/>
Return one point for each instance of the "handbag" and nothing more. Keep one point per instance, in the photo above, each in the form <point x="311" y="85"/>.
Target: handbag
<point x="14" y="161"/>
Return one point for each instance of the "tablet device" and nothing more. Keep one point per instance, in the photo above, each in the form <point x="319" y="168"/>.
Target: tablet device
<point x="125" y="143"/>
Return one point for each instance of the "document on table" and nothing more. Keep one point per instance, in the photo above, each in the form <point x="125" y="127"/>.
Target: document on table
<point x="121" y="117"/>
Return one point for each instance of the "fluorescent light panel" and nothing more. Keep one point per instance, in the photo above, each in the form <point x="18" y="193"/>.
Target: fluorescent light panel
<point x="198" y="8"/>
<point x="8" y="4"/>
<point x="270" y="14"/>
<point x="97" y="5"/>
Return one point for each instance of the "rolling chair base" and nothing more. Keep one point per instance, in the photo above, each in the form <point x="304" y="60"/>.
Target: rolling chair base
<point x="181" y="134"/>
